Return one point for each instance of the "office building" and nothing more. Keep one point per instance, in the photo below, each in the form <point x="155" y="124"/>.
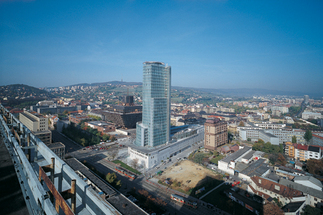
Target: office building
<point x="123" y="116"/>
<point x="311" y="115"/>
<point x="154" y="129"/>
<point x="38" y="124"/>
<point x="306" y="99"/>
<point x="215" y="134"/>
<point x="58" y="148"/>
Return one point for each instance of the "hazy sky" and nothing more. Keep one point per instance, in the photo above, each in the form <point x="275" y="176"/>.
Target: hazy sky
<point x="209" y="44"/>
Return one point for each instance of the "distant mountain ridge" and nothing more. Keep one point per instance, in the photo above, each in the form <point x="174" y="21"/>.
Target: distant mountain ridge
<point x="241" y="92"/>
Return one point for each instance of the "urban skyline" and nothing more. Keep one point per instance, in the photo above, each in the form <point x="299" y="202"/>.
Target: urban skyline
<point x="210" y="44"/>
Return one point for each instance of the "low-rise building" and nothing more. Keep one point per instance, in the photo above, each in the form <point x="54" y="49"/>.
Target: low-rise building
<point x="303" y="152"/>
<point x="58" y="148"/>
<point x="311" y="115"/>
<point x="314" y="197"/>
<point x="267" y="188"/>
<point x="152" y="156"/>
<point x="77" y="119"/>
<point x="101" y="126"/>
<point x="317" y="140"/>
<point x="228" y="163"/>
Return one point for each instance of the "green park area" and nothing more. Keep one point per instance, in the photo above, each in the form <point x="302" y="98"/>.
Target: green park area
<point x="126" y="167"/>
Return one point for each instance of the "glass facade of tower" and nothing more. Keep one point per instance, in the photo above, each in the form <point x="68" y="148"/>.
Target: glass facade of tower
<point x="154" y="129"/>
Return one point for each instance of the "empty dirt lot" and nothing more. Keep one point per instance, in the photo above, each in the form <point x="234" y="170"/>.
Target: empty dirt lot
<point x="188" y="173"/>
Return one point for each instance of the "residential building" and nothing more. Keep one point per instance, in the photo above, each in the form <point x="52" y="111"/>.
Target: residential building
<point x="303" y="152"/>
<point x="154" y="129"/>
<point x="290" y="149"/>
<point x="215" y="134"/>
<point x="314" y="197"/>
<point x="267" y="188"/>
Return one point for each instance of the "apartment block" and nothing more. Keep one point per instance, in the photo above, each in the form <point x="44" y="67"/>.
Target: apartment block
<point x="215" y="134"/>
<point x="303" y="152"/>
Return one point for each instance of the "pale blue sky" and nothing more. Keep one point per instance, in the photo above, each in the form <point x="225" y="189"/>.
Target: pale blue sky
<point x="209" y="44"/>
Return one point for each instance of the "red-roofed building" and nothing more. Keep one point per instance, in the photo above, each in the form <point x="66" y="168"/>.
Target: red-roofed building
<point x="303" y="152"/>
<point x="267" y="188"/>
<point x="317" y="140"/>
<point x="216" y="117"/>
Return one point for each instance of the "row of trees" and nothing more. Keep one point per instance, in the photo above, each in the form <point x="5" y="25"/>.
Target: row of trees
<point x="112" y="179"/>
<point x="85" y="136"/>
<point x="275" y="152"/>
<point x="267" y="147"/>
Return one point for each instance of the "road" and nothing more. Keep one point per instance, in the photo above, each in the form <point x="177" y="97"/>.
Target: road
<point x="99" y="160"/>
<point x="70" y="146"/>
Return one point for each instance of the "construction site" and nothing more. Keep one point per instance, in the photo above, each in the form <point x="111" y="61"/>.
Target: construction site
<point x="188" y="176"/>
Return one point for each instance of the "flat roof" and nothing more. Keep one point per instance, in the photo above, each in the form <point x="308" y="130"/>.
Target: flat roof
<point x="257" y="168"/>
<point x="29" y="117"/>
<point x="292" y="206"/>
<point x="115" y="198"/>
<point x="268" y="134"/>
<point x="154" y="62"/>
<point x="56" y="145"/>
<point x="249" y="155"/>
<point x="236" y="155"/>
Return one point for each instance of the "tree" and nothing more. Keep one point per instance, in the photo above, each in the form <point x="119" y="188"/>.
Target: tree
<point x="308" y="135"/>
<point x="281" y="159"/>
<point x="119" y="184"/>
<point x="309" y="210"/>
<point x="294" y="139"/>
<point x="111" y="177"/>
<point x="113" y="154"/>
<point x="315" y="166"/>
<point x="270" y="209"/>
<point x="112" y="138"/>
<point x="248" y="139"/>
<point x="261" y="141"/>
<point x="134" y="163"/>
<point x="241" y="124"/>
<point x="199" y="158"/>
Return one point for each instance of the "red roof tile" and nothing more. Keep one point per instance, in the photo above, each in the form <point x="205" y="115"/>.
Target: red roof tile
<point x="271" y="186"/>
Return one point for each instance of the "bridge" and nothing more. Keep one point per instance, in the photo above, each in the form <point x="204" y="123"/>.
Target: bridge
<point x="49" y="185"/>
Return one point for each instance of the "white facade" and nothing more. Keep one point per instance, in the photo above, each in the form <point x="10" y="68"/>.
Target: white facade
<point x="267" y="137"/>
<point x="267" y="125"/>
<point x="151" y="157"/>
<point x="311" y="115"/>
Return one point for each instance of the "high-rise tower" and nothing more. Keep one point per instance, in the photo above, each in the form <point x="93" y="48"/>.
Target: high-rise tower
<point x="154" y="128"/>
